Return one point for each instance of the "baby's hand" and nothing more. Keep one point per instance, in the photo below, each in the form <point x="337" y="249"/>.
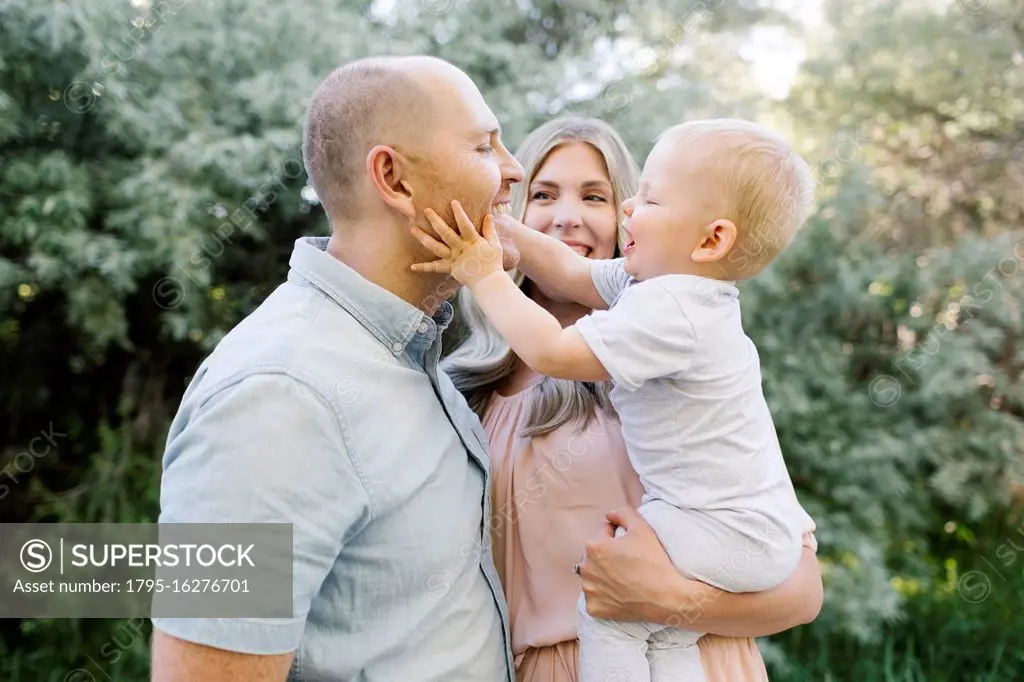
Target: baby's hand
<point x="465" y="255"/>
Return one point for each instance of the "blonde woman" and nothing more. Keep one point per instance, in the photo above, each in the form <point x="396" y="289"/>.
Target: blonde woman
<point x="557" y="456"/>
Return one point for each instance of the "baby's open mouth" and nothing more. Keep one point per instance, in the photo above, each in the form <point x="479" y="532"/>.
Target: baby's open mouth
<point x="629" y="246"/>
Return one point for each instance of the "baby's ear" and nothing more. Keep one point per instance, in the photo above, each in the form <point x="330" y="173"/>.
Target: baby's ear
<point x="719" y="239"/>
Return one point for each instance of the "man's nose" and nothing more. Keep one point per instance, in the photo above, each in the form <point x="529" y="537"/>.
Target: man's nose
<point x="511" y="169"/>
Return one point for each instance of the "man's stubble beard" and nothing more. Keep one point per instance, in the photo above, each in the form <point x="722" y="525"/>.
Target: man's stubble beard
<point x="443" y="192"/>
<point x="437" y="287"/>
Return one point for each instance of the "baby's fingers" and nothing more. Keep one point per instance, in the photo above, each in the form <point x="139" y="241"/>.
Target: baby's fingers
<point x="441" y="265"/>
<point x="450" y="236"/>
<point x="466" y="227"/>
<point x="435" y="247"/>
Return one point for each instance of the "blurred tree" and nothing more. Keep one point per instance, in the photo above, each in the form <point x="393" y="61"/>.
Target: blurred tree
<point x="151" y="188"/>
<point x="934" y="94"/>
<point x="900" y="407"/>
<point x="902" y="412"/>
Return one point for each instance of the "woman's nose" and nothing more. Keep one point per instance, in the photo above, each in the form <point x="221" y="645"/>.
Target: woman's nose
<point x="565" y="221"/>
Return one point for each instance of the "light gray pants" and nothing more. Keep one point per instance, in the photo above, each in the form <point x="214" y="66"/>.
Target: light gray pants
<point x="703" y="548"/>
<point x="617" y="651"/>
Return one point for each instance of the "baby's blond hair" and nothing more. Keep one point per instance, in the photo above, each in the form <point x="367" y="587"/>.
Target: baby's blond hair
<point x="766" y="187"/>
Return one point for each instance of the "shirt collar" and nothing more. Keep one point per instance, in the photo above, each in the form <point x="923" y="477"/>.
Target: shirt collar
<point x="392" y="320"/>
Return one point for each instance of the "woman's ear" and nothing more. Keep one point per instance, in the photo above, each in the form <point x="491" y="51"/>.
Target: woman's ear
<point x="719" y="238"/>
<point x="388" y="171"/>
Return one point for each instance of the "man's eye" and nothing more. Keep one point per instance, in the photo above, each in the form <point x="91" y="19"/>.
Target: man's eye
<point x="486" y="149"/>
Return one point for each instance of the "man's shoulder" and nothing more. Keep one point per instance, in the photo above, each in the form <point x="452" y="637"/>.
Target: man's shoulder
<point x="295" y="336"/>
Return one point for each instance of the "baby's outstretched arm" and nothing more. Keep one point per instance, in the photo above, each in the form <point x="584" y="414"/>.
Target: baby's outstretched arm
<point x="534" y="334"/>
<point x="560" y="272"/>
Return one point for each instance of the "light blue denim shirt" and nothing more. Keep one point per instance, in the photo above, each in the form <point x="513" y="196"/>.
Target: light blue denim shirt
<point x="324" y="408"/>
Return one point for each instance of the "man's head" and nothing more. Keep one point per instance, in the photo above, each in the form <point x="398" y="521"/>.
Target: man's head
<point x="722" y="196"/>
<point x="387" y="137"/>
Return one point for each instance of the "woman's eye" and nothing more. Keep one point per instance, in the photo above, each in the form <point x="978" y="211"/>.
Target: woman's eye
<point x="595" y="197"/>
<point x="539" y="196"/>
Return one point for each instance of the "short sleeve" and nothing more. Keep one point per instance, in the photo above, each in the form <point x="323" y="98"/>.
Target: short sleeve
<point x="266" y="449"/>
<point x="645" y="335"/>
<point x="609" y="277"/>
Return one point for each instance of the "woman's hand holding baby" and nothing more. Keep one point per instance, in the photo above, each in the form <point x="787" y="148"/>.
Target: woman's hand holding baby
<point x="466" y="255"/>
<point x="629" y="577"/>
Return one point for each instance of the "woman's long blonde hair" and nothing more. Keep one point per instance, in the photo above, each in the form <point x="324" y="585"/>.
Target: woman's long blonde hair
<point x="481" y="363"/>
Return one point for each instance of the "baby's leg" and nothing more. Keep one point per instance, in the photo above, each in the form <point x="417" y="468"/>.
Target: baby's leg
<point x="611" y="651"/>
<point x="674" y="657"/>
<point x="724" y="549"/>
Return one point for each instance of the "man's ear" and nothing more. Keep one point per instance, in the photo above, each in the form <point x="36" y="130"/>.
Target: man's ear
<point x="388" y="171"/>
<point x="719" y="238"/>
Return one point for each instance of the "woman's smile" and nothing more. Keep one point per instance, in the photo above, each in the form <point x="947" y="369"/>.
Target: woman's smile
<point x="578" y="247"/>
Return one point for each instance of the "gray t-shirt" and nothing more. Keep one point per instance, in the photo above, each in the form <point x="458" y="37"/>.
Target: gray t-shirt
<point x="688" y="392"/>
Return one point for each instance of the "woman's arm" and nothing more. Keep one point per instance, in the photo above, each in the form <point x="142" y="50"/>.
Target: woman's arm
<point x="631" y="578"/>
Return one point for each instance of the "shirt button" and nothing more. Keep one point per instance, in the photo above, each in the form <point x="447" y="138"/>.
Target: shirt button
<point x="424" y="327"/>
<point x="397" y="347"/>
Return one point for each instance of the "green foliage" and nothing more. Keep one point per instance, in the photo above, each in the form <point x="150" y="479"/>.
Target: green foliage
<point x="151" y="190"/>
<point x="941" y="117"/>
<point x="901" y="421"/>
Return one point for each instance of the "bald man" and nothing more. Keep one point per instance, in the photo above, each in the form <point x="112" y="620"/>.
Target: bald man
<point x="324" y="409"/>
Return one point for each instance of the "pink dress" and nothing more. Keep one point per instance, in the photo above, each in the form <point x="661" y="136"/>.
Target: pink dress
<point x="549" y="496"/>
